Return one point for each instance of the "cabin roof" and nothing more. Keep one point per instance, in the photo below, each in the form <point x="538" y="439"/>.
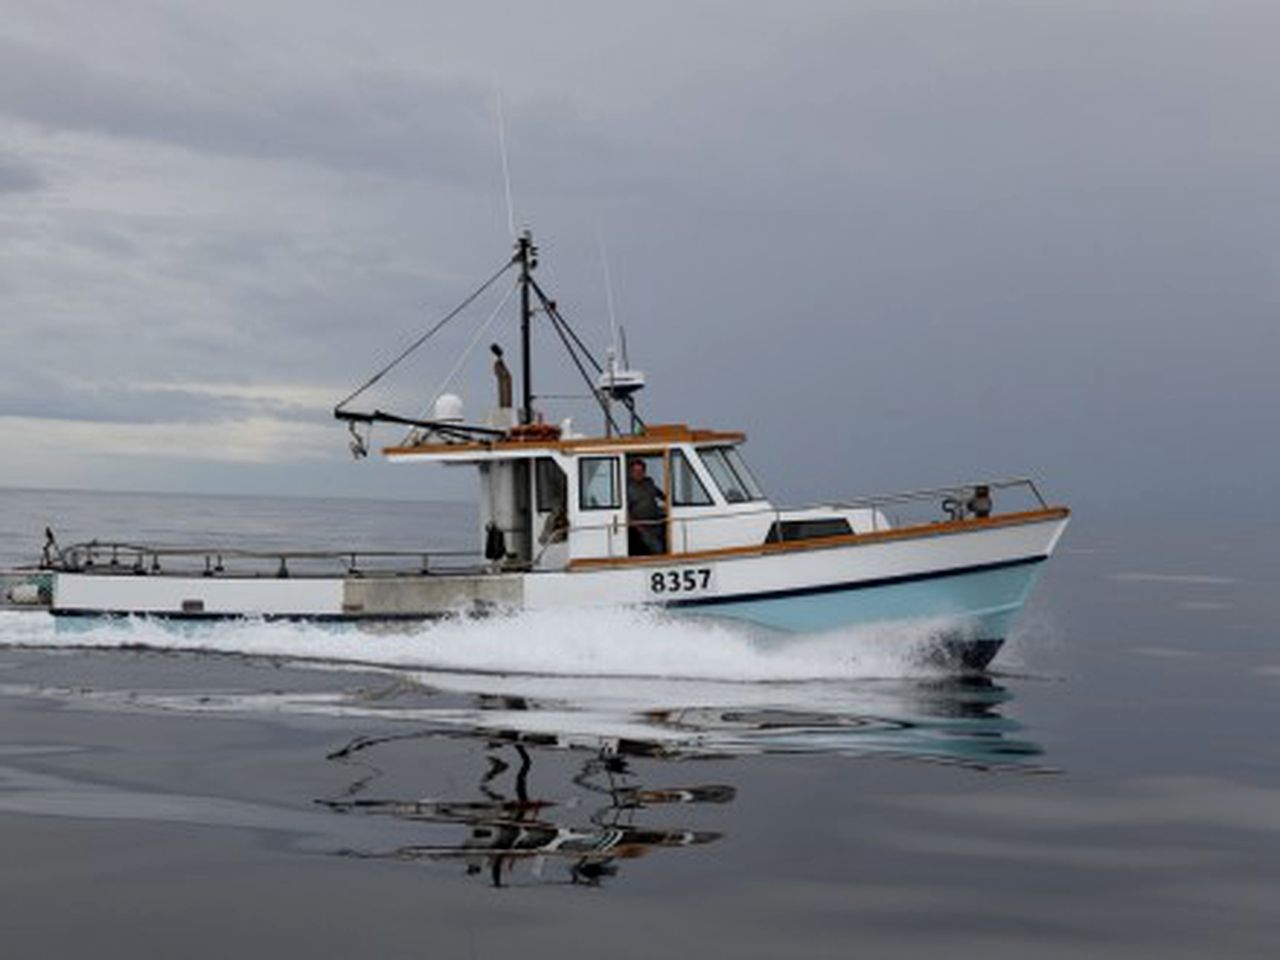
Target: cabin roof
<point x="655" y="435"/>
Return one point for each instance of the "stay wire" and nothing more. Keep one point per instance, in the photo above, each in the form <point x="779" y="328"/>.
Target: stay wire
<point x="426" y="336"/>
<point x="560" y="326"/>
<point x="553" y="312"/>
<point x="475" y="340"/>
<point x="457" y="367"/>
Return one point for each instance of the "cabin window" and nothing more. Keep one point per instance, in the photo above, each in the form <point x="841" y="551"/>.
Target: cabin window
<point x="789" y="530"/>
<point x="686" y="489"/>
<point x="731" y="474"/>
<point x="551" y="486"/>
<point x="598" y="483"/>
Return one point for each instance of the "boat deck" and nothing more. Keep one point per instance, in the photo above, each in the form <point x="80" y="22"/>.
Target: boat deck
<point x="25" y="589"/>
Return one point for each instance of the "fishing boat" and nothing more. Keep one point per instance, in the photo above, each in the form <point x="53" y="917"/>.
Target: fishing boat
<point x="667" y="516"/>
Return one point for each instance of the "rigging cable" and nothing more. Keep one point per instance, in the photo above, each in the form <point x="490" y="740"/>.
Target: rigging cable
<point x="562" y="328"/>
<point x="553" y="312"/>
<point x="426" y="336"/>
<point x="470" y="348"/>
<point x="463" y="358"/>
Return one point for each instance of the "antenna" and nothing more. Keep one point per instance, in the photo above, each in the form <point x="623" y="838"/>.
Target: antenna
<point x="616" y="384"/>
<point x="608" y="290"/>
<point x="506" y="169"/>
<point x="617" y="332"/>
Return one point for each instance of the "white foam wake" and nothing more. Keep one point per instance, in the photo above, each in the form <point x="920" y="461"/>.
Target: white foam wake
<point x="619" y="642"/>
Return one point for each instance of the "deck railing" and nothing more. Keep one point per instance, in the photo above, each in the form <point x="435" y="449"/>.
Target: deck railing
<point x="911" y="508"/>
<point x="1008" y="483"/>
<point x="96" y="556"/>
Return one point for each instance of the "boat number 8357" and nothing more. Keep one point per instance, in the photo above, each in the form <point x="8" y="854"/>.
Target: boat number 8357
<point x="686" y="580"/>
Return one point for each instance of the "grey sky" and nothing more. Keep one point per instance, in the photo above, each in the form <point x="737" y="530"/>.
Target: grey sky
<point x="899" y="243"/>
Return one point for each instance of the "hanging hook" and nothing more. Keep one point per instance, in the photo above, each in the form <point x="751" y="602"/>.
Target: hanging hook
<point x="359" y="445"/>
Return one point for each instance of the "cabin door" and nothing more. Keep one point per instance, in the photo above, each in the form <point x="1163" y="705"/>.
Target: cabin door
<point x="599" y="521"/>
<point x="551" y="515"/>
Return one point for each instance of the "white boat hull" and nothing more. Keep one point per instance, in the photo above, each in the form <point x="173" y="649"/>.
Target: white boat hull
<point x="966" y="585"/>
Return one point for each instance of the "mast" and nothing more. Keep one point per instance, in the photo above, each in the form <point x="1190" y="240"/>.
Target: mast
<point x="526" y="257"/>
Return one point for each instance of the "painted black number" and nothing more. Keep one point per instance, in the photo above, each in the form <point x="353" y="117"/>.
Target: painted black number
<point x="680" y="581"/>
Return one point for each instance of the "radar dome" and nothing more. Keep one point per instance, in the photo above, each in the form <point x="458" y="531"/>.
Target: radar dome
<point x="448" y="408"/>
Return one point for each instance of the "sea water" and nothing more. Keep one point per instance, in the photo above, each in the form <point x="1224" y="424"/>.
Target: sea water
<point x="614" y="782"/>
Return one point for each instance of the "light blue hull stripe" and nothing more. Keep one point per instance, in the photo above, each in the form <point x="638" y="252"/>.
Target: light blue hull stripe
<point x="980" y="604"/>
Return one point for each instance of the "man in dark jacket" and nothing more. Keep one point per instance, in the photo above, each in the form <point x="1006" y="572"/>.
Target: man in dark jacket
<point x="647" y="533"/>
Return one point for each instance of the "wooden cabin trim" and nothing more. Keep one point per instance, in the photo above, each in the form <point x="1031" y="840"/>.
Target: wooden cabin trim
<point x="656" y="437"/>
<point x="431" y="449"/>
<point x="918" y="531"/>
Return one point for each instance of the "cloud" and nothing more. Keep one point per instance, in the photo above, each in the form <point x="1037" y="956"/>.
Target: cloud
<point x="19" y="176"/>
<point x="47" y="397"/>
<point x="256" y="440"/>
<point x="368" y="120"/>
<point x="997" y="239"/>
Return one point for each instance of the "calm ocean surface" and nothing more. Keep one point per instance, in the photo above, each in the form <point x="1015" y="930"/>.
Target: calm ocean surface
<point x="1111" y="788"/>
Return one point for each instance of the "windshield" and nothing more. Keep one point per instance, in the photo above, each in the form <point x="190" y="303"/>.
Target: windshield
<point x="743" y="473"/>
<point x="687" y="490"/>
<point x="731" y="474"/>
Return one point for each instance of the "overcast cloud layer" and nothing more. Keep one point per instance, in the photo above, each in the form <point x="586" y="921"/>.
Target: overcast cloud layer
<point x="899" y="243"/>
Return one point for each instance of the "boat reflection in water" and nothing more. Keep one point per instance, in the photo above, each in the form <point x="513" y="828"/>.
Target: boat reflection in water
<point x="507" y="827"/>
<point x="610" y="746"/>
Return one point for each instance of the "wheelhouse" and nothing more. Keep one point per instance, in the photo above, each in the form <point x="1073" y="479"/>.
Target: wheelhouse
<point x="549" y="502"/>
